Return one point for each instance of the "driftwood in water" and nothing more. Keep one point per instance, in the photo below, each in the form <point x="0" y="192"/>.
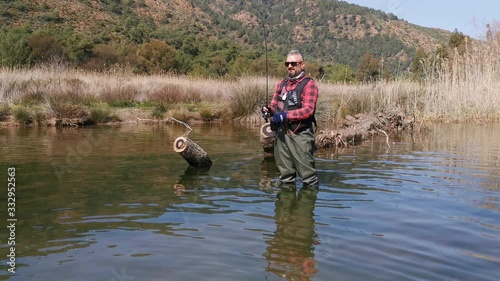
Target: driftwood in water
<point x="267" y="137"/>
<point x="364" y="126"/>
<point x="192" y="152"/>
<point x="189" y="150"/>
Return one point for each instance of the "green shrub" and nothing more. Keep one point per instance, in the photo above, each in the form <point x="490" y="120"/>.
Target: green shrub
<point x="23" y="114"/>
<point x="159" y="111"/>
<point x="40" y="114"/>
<point x="210" y="112"/>
<point x="100" y="112"/>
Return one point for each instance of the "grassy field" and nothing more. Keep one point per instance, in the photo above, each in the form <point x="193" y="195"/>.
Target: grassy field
<point x="462" y="89"/>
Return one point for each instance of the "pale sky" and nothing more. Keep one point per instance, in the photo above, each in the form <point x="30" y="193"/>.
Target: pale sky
<point x="467" y="16"/>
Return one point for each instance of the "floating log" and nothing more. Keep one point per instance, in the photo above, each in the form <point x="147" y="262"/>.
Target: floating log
<point x="192" y="152"/>
<point x="267" y="137"/>
<point x="363" y="126"/>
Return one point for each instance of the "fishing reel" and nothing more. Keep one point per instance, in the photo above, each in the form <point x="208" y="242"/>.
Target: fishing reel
<point x="265" y="114"/>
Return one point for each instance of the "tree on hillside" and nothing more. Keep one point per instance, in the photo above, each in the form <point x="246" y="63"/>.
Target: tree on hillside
<point x="104" y="57"/>
<point x="46" y="48"/>
<point x="218" y="65"/>
<point x="429" y="65"/>
<point x="202" y="32"/>
<point x="458" y="40"/>
<point x="14" y="47"/>
<point x="368" y="68"/>
<point x="80" y="48"/>
<point x="156" y="57"/>
<point x="339" y="73"/>
<point x="418" y="65"/>
<point x="240" y="66"/>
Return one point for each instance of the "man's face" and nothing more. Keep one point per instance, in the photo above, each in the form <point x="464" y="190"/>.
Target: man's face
<point x="294" y="64"/>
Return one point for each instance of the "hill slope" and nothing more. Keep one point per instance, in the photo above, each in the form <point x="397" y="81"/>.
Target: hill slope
<point x="326" y="30"/>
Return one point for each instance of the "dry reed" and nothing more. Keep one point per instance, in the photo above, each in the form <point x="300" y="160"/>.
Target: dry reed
<point x="463" y="89"/>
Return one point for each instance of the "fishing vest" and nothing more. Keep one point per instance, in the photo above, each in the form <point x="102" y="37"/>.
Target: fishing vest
<point x="293" y="100"/>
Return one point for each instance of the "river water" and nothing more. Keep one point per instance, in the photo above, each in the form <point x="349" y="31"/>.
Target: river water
<point x="117" y="203"/>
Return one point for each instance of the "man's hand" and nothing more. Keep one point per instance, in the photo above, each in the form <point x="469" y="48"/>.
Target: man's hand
<point x="266" y="111"/>
<point x="279" y="117"/>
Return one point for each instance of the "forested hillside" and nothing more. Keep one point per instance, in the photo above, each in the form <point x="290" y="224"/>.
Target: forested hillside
<point x="211" y="38"/>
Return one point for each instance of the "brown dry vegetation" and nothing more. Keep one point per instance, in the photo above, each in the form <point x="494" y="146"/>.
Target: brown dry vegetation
<point x="465" y="88"/>
<point x="69" y="94"/>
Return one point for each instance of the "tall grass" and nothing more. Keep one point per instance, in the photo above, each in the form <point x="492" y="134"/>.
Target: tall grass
<point x="462" y="89"/>
<point x="23" y="115"/>
<point x="466" y="87"/>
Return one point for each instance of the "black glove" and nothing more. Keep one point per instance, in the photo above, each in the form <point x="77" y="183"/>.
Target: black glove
<point x="265" y="114"/>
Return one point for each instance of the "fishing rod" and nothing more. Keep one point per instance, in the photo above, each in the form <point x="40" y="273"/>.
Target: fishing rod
<point x="266" y="115"/>
<point x="267" y="134"/>
<point x="267" y="64"/>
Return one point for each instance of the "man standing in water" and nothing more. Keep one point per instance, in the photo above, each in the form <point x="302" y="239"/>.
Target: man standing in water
<point x="292" y="109"/>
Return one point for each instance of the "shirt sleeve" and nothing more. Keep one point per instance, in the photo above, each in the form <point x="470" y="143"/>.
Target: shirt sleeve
<point x="309" y="99"/>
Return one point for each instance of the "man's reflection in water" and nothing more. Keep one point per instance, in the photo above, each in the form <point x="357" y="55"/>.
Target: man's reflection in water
<point x="290" y="254"/>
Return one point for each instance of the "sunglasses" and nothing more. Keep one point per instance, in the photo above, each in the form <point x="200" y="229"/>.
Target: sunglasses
<point x="292" y="63"/>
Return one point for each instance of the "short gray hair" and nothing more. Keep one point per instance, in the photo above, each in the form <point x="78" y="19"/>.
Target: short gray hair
<point x="296" y="52"/>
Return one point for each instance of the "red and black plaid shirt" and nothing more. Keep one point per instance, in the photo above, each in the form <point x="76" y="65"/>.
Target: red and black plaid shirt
<point x="309" y="97"/>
